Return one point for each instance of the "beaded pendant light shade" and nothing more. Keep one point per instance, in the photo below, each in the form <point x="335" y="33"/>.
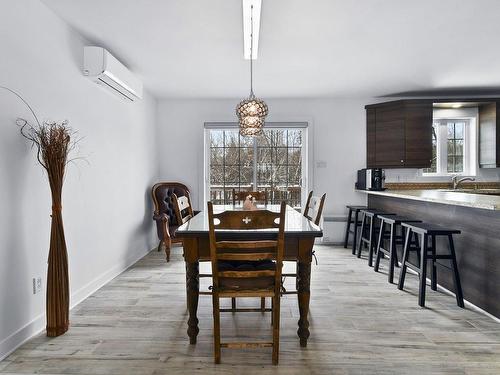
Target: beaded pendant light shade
<point x="251" y="125"/>
<point x="252" y="111"/>
<point x="252" y="107"/>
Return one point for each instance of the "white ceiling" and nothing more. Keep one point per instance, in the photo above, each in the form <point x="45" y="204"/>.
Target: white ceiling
<point x="321" y="48"/>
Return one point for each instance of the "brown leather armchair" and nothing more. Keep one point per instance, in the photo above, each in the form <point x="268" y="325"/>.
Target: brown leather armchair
<point x="164" y="214"/>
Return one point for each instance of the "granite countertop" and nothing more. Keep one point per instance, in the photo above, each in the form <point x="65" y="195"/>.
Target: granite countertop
<point x="458" y="198"/>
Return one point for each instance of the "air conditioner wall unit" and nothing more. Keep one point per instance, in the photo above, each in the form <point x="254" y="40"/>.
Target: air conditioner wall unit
<point x="103" y="68"/>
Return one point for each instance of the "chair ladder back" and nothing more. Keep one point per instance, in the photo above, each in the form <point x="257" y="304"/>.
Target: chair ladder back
<point x="182" y="207"/>
<point x="246" y="249"/>
<point x="240" y="196"/>
<point x="314" y="204"/>
<point x="308" y="202"/>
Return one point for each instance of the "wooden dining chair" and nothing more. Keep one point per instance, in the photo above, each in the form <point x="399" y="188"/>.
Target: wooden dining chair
<point x="240" y="196"/>
<point x="312" y="211"/>
<point x="164" y="212"/>
<point x="314" y="204"/>
<point x="246" y="267"/>
<point x="183" y="208"/>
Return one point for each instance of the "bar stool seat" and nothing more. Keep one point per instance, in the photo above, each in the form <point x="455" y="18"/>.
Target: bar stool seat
<point x="394" y="223"/>
<point x="357" y="224"/>
<point x="429" y="252"/>
<point x="432" y="229"/>
<point x="369" y="217"/>
<point x="397" y="219"/>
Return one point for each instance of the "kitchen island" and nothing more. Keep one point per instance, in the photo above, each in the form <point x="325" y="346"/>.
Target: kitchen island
<point x="477" y="247"/>
<point x="488" y="199"/>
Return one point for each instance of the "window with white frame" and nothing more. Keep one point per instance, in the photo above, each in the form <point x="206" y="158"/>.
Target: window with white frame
<point x="453" y="147"/>
<point x="273" y="162"/>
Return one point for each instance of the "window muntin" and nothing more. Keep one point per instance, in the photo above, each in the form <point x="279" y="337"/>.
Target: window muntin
<point x="455" y="146"/>
<point x="452" y="142"/>
<point x="434" y="162"/>
<point x="279" y="164"/>
<point x="272" y="162"/>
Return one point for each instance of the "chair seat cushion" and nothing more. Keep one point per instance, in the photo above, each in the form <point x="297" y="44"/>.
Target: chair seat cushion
<point x="247" y="283"/>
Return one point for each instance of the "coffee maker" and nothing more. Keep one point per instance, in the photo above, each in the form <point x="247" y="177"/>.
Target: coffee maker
<point x="371" y="179"/>
<point x="378" y="179"/>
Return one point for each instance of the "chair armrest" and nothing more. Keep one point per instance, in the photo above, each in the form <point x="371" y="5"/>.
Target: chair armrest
<point x="160" y="217"/>
<point x="162" y="223"/>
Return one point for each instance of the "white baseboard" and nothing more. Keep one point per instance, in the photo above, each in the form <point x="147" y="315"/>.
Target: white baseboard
<point x="467" y="303"/>
<point x="23" y="334"/>
<point x="449" y="292"/>
<point x="85" y="291"/>
<point x="37" y="325"/>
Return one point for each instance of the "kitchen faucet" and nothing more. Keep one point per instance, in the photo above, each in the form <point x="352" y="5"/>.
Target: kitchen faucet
<point x="457" y="182"/>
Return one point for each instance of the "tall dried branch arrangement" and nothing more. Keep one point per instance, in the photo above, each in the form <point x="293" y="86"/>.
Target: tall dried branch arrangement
<point x="53" y="142"/>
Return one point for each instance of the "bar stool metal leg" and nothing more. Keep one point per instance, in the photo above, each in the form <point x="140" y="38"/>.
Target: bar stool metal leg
<point x="418" y="247"/>
<point x="361" y="231"/>
<point x="395" y="250"/>
<point x="371" y="243"/>
<point x="406" y="252"/>
<point x="423" y="271"/>
<point x="456" y="276"/>
<point x="355" y="234"/>
<point x="378" y="253"/>
<point x="348" y="228"/>
<point x="393" y="258"/>
<point x="434" y="270"/>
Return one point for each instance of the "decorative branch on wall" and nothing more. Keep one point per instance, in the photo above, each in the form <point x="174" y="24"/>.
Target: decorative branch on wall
<point x="53" y="142"/>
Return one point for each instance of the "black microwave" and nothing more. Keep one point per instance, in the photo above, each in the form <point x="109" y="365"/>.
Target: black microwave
<point x="371" y="179"/>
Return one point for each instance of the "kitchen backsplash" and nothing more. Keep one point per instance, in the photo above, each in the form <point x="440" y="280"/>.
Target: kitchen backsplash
<point x="415" y="175"/>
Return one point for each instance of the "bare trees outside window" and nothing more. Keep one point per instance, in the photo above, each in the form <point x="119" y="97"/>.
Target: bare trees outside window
<point x="272" y="162"/>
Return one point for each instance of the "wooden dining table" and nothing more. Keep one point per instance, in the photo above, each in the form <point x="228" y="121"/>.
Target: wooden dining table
<point x="300" y="234"/>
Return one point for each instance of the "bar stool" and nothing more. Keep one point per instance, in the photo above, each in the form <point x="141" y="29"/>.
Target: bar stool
<point x="368" y="217"/>
<point x="394" y="223"/>
<point x="356" y="222"/>
<point x="428" y="252"/>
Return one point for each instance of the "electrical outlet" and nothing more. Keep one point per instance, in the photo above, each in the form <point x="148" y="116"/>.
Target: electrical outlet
<point x="37" y="285"/>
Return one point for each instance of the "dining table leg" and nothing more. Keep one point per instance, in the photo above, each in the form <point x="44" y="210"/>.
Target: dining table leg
<point x="304" y="294"/>
<point x="193" y="290"/>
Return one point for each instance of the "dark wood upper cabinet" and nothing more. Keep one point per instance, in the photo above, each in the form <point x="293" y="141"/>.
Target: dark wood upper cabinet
<point x="399" y="134"/>
<point x="489" y="135"/>
<point x="390" y="143"/>
<point x="370" y="136"/>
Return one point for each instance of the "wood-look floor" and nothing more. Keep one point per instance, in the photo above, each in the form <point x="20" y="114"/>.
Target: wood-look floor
<point x="359" y="325"/>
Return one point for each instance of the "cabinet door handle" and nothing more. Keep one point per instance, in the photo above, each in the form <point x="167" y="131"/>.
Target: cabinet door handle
<point x="402" y="161"/>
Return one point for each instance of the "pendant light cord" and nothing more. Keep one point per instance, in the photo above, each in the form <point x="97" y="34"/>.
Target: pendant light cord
<point x="251" y="52"/>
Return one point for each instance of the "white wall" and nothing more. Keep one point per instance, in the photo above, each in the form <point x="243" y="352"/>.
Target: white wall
<point x="106" y="204"/>
<point x="337" y="128"/>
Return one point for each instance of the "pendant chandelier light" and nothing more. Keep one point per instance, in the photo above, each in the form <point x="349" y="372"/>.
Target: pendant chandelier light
<point x="252" y="111"/>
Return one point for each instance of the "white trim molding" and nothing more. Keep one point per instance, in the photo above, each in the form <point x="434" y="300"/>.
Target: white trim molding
<point x="37" y="325"/>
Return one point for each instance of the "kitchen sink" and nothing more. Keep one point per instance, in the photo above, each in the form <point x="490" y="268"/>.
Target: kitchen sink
<point x="476" y="191"/>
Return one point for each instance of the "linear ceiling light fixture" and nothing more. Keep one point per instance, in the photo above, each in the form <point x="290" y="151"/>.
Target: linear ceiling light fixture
<point x="251" y="112"/>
